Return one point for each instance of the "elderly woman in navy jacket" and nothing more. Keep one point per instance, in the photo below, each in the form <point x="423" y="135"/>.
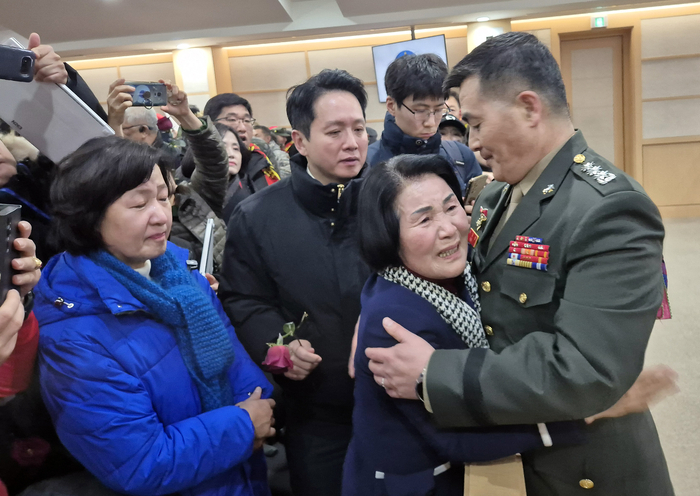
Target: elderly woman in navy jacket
<point x="413" y="233"/>
<point x="141" y="370"/>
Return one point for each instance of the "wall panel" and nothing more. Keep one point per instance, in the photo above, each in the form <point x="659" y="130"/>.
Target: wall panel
<point x="671" y="77"/>
<point x="456" y="50"/>
<point x="678" y="35"/>
<point x="267" y="72"/>
<point x="671" y="118"/>
<point x="99" y="80"/>
<point x="357" y="61"/>
<point x="148" y="72"/>
<point x="670" y="173"/>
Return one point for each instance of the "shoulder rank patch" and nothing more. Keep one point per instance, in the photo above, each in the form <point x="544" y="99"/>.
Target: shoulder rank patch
<point x="597" y="172"/>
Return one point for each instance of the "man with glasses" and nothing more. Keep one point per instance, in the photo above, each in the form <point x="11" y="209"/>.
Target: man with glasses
<point x="415" y="105"/>
<point x="236" y="112"/>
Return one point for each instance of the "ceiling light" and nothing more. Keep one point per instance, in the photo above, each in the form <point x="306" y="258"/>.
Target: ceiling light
<point x="482" y="19"/>
<point x="183" y="46"/>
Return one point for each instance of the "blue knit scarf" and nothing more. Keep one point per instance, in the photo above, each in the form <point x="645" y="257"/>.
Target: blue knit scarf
<point x="175" y="299"/>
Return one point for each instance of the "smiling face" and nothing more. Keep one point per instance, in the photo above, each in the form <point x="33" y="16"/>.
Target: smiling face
<point x="502" y="132"/>
<point x="417" y="126"/>
<point x="136" y="227"/>
<point x="433" y="228"/>
<point x="235" y="159"/>
<point x="336" y="148"/>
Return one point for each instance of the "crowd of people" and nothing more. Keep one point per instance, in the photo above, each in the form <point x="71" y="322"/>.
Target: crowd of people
<point x="396" y="340"/>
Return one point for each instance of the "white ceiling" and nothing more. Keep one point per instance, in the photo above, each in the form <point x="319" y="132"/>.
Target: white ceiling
<point x="90" y="27"/>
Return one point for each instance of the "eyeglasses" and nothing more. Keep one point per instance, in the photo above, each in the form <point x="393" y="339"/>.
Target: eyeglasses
<point x="425" y="114"/>
<point x="232" y="119"/>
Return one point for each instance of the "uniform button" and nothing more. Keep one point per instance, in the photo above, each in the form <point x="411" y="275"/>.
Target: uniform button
<point x="489" y="330"/>
<point x="332" y="224"/>
<point x="586" y="483"/>
<point x="332" y="210"/>
<point x="486" y="286"/>
<point x="333" y="190"/>
<point x="523" y="298"/>
<point x="419" y="142"/>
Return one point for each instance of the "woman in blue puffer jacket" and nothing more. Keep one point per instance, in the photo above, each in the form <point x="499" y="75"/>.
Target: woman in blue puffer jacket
<point x="141" y="370"/>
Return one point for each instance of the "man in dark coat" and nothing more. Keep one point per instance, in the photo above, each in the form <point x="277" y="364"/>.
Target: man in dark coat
<point x="415" y="104"/>
<point x="292" y="256"/>
<point x="570" y="314"/>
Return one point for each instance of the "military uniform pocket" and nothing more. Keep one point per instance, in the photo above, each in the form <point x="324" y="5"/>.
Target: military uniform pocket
<point x="528" y="287"/>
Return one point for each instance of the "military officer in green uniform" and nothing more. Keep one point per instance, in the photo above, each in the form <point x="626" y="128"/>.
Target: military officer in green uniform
<point x="567" y="255"/>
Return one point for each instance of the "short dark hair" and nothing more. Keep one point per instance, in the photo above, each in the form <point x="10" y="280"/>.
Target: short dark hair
<point x="266" y="130"/>
<point x="216" y="104"/>
<point x="378" y="217"/>
<point x="509" y="64"/>
<point x="188" y="165"/>
<point x="452" y="93"/>
<point x="301" y="98"/>
<point x="420" y="76"/>
<point x="91" y="179"/>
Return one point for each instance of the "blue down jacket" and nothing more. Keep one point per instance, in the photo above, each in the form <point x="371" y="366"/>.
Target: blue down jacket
<point x="122" y="400"/>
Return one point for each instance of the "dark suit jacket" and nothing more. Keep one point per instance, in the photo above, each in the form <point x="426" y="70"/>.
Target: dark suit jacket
<point x="569" y="342"/>
<point x="398" y="437"/>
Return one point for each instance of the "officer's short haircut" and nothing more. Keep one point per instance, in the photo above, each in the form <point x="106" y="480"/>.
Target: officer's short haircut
<point x="377" y="211"/>
<point x="301" y="98"/>
<point x="510" y="63"/>
<point x="266" y="130"/>
<point x="420" y="76"/>
<point x="452" y="94"/>
<point x="217" y="104"/>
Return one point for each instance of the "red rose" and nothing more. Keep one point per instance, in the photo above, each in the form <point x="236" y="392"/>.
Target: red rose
<point x="278" y="360"/>
<point x="30" y="452"/>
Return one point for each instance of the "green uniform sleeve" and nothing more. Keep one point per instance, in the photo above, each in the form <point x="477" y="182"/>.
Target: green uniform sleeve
<point x="609" y="292"/>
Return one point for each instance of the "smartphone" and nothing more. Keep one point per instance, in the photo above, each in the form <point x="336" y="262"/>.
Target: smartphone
<point x="16" y="64"/>
<point x="476" y="185"/>
<point x="149" y="94"/>
<point x="10" y="215"/>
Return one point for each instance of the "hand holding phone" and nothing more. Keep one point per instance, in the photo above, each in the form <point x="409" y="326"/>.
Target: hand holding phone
<point x="476" y="185"/>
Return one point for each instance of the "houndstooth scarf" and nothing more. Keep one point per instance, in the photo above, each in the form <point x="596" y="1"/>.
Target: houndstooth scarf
<point x="455" y="311"/>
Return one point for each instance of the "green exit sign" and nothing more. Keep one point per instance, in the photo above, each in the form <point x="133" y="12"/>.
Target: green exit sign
<point x="599" y="22"/>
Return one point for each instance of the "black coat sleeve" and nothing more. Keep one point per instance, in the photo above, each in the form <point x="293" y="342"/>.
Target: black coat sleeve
<point x="247" y="291"/>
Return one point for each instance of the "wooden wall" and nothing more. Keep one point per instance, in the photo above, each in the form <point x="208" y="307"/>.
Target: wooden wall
<point x="662" y="118"/>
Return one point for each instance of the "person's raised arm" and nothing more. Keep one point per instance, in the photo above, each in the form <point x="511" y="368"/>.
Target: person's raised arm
<point x="210" y="177"/>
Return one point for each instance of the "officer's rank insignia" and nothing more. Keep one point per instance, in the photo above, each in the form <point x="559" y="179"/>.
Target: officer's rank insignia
<point x="528" y="253"/>
<point x="601" y="176"/>
<point x="579" y="159"/>
<point x="473" y="238"/>
<point x="482" y="218"/>
<point x="548" y="189"/>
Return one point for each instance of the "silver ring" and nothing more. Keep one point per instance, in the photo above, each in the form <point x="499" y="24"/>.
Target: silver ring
<point x="383" y="383"/>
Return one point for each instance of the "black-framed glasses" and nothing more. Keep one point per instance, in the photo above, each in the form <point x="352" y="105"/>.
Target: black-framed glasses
<point x="232" y="119"/>
<point x="424" y="114"/>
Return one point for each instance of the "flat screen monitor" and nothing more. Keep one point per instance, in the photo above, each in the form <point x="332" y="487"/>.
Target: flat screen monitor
<point x="386" y="54"/>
